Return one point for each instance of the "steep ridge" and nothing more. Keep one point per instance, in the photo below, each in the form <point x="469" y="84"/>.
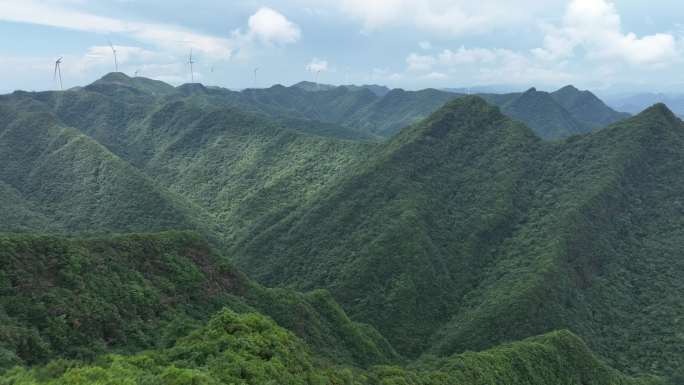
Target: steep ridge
<point x="469" y="222"/>
<point x="398" y="242"/>
<point x="78" y="298"/>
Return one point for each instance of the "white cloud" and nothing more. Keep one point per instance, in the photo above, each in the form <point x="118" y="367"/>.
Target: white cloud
<point x="269" y="26"/>
<point x="435" y="76"/>
<point x="595" y="26"/>
<point x="471" y="55"/>
<point x="449" y="17"/>
<point x="165" y="36"/>
<point x="266" y="26"/>
<point x="425" y="45"/>
<point x="317" y="65"/>
<point x="418" y="62"/>
<point x="487" y="66"/>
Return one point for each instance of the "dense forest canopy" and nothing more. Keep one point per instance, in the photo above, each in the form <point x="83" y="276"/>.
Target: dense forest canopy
<point x="386" y="237"/>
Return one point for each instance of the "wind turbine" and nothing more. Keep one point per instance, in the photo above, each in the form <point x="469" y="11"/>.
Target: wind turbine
<point x="318" y="74"/>
<point x="191" y="62"/>
<point x="116" y="61"/>
<point x="136" y="73"/>
<point x="58" y="72"/>
<point x="255" y="76"/>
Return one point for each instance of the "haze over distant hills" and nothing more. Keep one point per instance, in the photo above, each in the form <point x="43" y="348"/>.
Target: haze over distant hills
<point x="636" y="102"/>
<point x="540" y="229"/>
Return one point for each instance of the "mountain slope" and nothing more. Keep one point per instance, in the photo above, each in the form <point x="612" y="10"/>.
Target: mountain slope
<point x="540" y="111"/>
<point x="375" y="239"/>
<point x="77" y="298"/>
<point x="586" y="107"/>
<point x="66" y="181"/>
<point x="469" y="225"/>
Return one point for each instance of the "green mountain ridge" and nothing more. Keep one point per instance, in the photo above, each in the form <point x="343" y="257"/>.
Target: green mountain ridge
<point x="374" y="111"/>
<point x="470" y="225"/>
<point x="462" y="232"/>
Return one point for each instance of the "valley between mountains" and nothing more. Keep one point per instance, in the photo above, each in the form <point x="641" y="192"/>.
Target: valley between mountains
<point x="310" y="234"/>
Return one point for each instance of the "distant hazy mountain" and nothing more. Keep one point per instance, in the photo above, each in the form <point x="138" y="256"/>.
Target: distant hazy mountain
<point x="374" y="88"/>
<point x="633" y="103"/>
<point x="565" y="112"/>
<point x="562" y="113"/>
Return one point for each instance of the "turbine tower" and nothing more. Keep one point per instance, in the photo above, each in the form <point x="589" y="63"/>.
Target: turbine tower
<point x="255" y="76"/>
<point x="116" y="61"/>
<point x="58" y="72"/>
<point x="191" y="62"/>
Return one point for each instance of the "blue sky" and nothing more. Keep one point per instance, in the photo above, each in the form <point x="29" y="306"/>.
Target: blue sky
<point x="602" y="45"/>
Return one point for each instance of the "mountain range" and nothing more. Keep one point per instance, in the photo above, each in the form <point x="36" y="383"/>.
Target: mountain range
<point x="535" y="227"/>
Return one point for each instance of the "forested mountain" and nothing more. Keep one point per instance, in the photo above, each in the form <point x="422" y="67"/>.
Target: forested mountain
<point x="470" y="225"/>
<point x="589" y="110"/>
<point x="56" y="178"/>
<point x="251" y="349"/>
<point x="77" y="298"/>
<point x="464" y="231"/>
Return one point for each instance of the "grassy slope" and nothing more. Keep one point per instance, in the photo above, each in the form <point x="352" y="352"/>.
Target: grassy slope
<point x="76" y="298"/>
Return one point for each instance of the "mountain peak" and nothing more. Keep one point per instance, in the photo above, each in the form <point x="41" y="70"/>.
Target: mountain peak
<point x="115" y="77"/>
<point x="192" y="88"/>
<point x="313" y="87"/>
<point x="659" y="110"/>
<point x="569" y="88"/>
<point x="470" y="108"/>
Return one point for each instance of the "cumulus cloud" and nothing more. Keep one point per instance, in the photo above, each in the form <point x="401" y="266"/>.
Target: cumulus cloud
<point x="425" y="45"/>
<point x="435" y="76"/>
<point x="418" y="62"/>
<point x="596" y="26"/>
<point x="269" y="26"/>
<point x="486" y="66"/>
<point x="317" y="65"/>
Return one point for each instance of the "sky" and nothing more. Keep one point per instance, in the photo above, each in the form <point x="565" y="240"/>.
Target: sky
<point x="603" y="45"/>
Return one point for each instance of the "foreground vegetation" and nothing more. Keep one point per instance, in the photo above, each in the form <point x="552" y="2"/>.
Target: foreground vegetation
<point x="251" y="349"/>
<point x="79" y="298"/>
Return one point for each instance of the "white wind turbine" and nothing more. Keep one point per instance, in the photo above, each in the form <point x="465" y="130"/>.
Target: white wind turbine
<point x="191" y="62"/>
<point x="58" y="72"/>
<point x="116" y="61"/>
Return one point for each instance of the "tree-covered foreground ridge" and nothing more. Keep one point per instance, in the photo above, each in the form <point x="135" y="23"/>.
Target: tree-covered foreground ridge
<point x="386" y="237"/>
